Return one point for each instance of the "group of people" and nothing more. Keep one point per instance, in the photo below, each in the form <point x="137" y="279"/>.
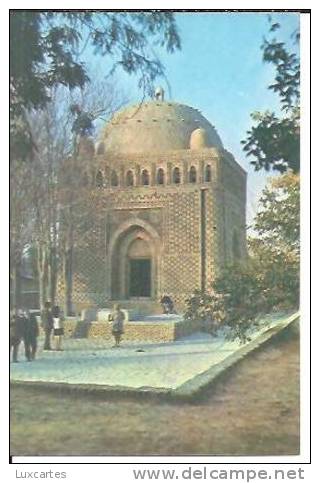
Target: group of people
<point x="24" y="328"/>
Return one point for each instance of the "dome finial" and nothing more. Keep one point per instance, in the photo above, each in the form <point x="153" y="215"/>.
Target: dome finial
<point x="159" y="94"/>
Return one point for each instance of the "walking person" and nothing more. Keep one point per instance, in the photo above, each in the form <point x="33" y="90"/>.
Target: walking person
<point x="47" y="324"/>
<point x="16" y="332"/>
<point x="30" y="335"/>
<point x="117" y="317"/>
<point x="57" y="328"/>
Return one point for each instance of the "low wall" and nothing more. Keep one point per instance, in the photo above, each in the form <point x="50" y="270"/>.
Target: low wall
<point x="133" y="330"/>
<point x="186" y="327"/>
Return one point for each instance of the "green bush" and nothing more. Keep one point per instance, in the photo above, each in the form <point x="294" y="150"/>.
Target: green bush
<point x="268" y="279"/>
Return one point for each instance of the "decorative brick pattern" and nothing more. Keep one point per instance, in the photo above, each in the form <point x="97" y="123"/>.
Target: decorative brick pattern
<point x="211" y="240"/>
<point x="172" y="213"/>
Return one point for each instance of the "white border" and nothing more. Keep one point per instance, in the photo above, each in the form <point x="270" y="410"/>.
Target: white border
<point x="83" y="471"/>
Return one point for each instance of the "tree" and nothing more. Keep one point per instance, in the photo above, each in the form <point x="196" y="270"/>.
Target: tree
<point x="276" y="248"/>
<point x="277" y="222"/>
<point x="269" y="279"/>
<point x="56" y="177"/>
<point x="81" y="211"/>
<point x="21" y="223"/>
<point x="81" y="206"/>
<point x="274" y="141"/>
<point x="46" y="49"/>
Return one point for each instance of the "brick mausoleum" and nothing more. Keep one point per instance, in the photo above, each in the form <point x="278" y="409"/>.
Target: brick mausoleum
<point x="175" y="208"/>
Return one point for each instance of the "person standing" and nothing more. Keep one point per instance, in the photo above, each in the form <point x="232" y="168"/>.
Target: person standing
<point x="47" y="324"/>
<point x="16" y="332"/>
<point x="31" y="332"/>
<point x="57" y="327"/>
<point x="117" y="317"/>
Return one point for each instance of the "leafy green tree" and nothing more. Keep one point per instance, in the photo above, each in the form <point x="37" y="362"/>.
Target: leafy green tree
<point x="274" y="141"/>
<point x="276" y="248"/>
<point x="277" y="222"/>
<point x="269" y="279"/>
<point x="46" y="49"/>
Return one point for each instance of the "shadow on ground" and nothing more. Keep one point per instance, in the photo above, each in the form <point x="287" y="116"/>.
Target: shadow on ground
<point x="252" y="409"/>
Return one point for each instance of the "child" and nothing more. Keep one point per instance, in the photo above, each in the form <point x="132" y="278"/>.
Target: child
<point x="57" y="328"/>
<point x="117" y="317"/>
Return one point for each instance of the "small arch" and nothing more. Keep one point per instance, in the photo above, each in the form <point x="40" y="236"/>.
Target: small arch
<point x="192" y="175"/>
<point x="160" y="176"/>
<point x="145" y="179"/>
<point x="99" y="179"/>
<point x="129" y="178"/>
<point x="114" y="179"/>
<point x="208" y="173"/>
<point x="176" y="177"/>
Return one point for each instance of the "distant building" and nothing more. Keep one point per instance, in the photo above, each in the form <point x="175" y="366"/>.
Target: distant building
<point x="175" y="208"/>
<point x="28" y="285"/>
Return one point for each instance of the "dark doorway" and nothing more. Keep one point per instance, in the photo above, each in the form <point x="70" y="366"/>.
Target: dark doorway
<point x="140" y="277"/>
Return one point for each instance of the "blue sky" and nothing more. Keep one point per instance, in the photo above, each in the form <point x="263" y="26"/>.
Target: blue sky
<point x="220" y="71"/>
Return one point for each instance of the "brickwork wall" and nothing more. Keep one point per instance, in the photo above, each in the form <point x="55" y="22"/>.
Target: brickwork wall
<point x="133" y="331"/>
<point x="235" y="225"/>
<point x="181" y="258"/>
<point x="173" y="212"/>
<point x="233" y="199"/>
<point x="213" y="227"/>
<point x="89" y="280"/>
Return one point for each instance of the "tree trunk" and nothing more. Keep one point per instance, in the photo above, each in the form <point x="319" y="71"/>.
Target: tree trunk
<point x="53" y="275"/>
<point x="16" y="285"/>
<point x="42" y="263"/>
<point x="68" y="280"/>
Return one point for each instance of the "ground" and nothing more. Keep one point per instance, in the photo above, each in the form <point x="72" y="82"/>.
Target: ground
<point x="252" y="410"/>
<point x="139" y="366"/>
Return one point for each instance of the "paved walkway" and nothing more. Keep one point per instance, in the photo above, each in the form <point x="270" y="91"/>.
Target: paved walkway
<point x="139" y="365"/>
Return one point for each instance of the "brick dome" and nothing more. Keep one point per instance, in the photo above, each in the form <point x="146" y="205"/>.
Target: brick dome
<point x="157" y="126"/>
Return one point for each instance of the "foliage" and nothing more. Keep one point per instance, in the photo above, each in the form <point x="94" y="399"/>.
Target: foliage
<point x="233" y="301"/>
<point x="48" y="199"/>
<point x="274" y="141"/>
<point x="269" y="279"/>
<point x="278" y="220"/>
<point x="46" y="48"/>
<point x="83" y="121"/>
<point x="20" y="223"/>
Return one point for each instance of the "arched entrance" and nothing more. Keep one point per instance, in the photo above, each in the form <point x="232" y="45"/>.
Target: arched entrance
<point x="139" y="260"/>
<point x="133" y="257"/>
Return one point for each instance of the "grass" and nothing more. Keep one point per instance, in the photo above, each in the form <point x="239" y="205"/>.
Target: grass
<point x="252" y="410"/>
